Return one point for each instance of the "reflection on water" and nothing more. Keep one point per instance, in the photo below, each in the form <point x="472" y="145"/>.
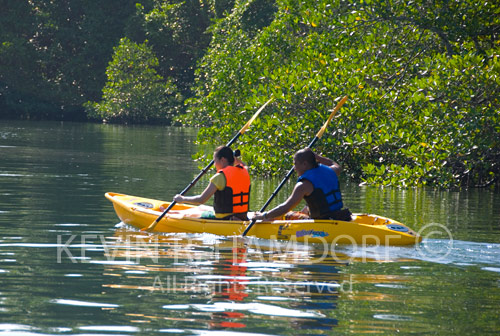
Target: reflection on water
<point x="205" y="282"/>
<point x="230" y="282"/>
<point x="66" y="269"/>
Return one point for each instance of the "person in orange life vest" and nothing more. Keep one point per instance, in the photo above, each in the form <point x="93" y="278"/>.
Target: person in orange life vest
<point x="318" y="185"/>
<point x="230" y="187"/>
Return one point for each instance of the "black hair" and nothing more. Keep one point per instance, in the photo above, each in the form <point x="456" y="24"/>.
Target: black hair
<point x="306" y="154"/>
<point x="225" y="152"/>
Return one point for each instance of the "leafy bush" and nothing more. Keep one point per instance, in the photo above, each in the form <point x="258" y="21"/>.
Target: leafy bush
<point x="134" y="91"/>
<point x="53" y="54"/>
<point x="423" y="81"/>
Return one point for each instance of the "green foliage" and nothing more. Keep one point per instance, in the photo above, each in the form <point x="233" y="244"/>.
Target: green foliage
<point x="135" y="92"/>
<point x="176" y="31"/>
<point x="55" y="52"/>
<point x="153" y="68"/>
<point x="422" y="77"/>
<point x="257" y="14"/>
<point x="221" y="7"/>
<point x="448" y="135"/>
<point x="423" y="81"/>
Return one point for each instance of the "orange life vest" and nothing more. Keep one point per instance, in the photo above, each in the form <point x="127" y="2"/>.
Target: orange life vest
<point x="235" y="197"/>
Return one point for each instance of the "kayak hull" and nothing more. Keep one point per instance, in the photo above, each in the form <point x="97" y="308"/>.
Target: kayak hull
<point x="364" y="229"/>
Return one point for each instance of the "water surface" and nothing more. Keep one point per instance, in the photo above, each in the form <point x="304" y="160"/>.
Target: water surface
<point x="67" y="266"/>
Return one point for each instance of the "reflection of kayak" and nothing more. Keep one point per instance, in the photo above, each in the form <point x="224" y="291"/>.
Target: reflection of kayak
<point x="363" y="229"/>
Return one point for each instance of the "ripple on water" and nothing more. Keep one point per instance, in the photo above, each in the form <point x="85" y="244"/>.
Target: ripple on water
<point x="252" y="307"/>
<point x="392" y="317"/>
<point x="108" y="328"/>
<point x="83" y="303"/>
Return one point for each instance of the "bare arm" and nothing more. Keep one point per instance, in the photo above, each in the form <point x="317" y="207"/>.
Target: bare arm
<point x="300" y="190"/>
<point x="198" y="199"/>
<point x="330" y="163"/>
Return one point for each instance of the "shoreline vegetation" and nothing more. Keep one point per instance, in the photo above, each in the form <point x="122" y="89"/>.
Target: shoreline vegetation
<point x="423" y="78"/>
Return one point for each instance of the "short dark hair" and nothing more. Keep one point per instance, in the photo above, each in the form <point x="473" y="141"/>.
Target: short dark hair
<point x="225" y="152"/>
<point x="306" y="154"/>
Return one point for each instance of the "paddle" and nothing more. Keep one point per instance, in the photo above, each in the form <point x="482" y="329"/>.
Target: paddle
<point x="290" y="172"/>
<point x="193" y="182"/>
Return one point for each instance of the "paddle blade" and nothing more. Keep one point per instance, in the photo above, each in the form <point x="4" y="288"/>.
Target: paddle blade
<point x="150" y="227"/>
<point x="339" y="105"/>
<point x="249" y="122"/>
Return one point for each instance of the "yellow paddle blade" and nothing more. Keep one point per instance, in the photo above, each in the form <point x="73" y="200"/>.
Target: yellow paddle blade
<point x="150" y="227"/>
<point x="249" y="122"/>
<point x="339" y="105"/>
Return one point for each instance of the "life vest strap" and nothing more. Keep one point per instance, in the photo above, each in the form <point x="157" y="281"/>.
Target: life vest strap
<point x="241" y="200"/>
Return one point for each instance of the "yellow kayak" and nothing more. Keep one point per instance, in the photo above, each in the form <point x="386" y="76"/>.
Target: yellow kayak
<point x="364" y="229"/>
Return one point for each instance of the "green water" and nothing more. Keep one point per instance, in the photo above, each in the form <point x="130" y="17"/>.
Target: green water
<point x="67" y="266"/>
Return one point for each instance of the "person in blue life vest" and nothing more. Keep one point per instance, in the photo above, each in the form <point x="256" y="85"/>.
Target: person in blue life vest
<point x="230" y="187"/>
<point x="318" y="185"/>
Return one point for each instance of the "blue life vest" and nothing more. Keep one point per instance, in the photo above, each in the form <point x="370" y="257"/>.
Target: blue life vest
<point x="326" y="197"/>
